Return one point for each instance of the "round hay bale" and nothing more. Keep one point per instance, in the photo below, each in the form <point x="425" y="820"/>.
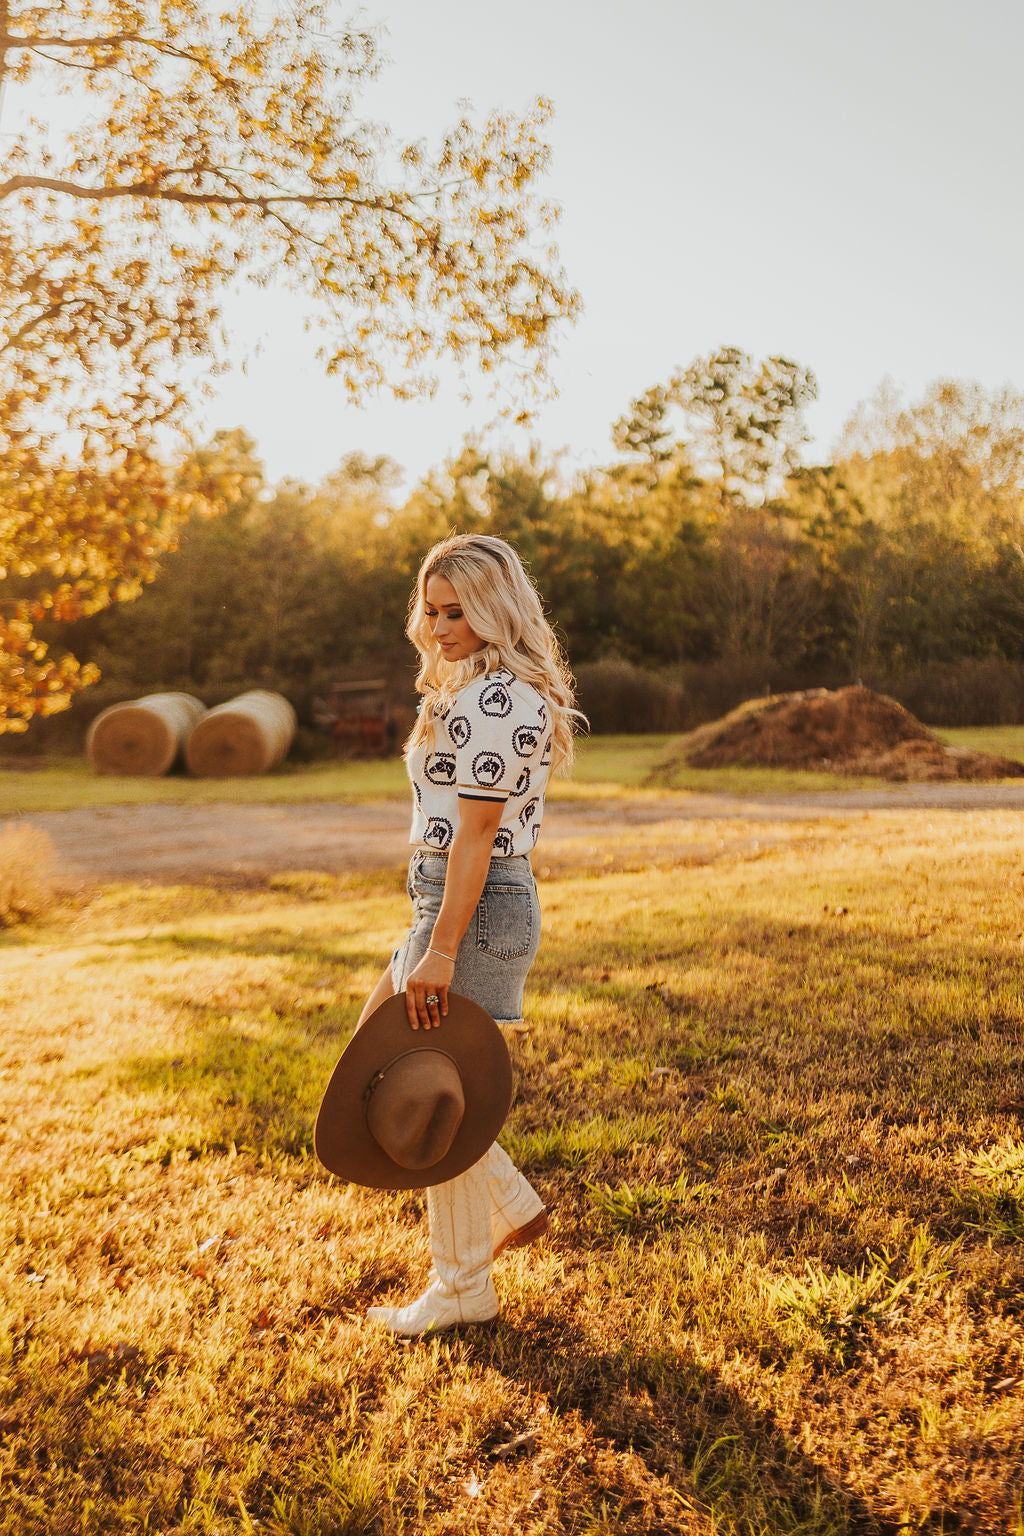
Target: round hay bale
<point x="141" y="738"/>
<point x="250" y="734"/>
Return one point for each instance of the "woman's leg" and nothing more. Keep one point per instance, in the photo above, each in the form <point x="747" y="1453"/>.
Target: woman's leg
<point x="472" y="1219"/>
<point x="518" y="1216"/>
<point x="491" y="1206"/>
<point x="380" y="994"/>
<point x="458" y="1211"/>
<point x="462" y="1247"/>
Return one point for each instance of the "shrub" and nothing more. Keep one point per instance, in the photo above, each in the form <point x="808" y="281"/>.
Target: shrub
<point x="714" y="688"/>
<point x="26" y="865"/>
<point x="619" y="698"/>
<point x="979" y="690"/>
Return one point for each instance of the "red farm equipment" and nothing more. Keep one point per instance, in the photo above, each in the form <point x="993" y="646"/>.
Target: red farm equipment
<point x="358" y="718"/>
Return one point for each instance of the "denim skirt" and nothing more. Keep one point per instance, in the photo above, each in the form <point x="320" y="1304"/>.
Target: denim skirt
<point x="500" y="943"/>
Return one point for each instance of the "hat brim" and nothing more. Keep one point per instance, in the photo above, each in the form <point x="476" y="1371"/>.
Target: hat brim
<point x="470" y="1037"/>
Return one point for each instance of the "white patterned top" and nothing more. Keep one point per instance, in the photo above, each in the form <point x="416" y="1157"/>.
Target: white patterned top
<point x="493" y="743"/>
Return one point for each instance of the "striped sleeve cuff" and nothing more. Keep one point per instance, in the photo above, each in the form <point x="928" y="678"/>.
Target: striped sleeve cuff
<point x="479" y="792"/>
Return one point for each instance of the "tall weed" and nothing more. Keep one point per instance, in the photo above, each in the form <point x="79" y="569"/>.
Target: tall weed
<point x="26" y="866"/>
<point x="995" y="1201"/>
<point x="832" y="1312"/>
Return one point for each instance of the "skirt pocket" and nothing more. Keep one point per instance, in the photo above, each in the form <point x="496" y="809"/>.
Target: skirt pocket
<point x="505" y="922"/>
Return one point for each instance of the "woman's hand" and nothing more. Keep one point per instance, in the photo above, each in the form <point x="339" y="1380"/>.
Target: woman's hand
<point x="426" y="990"/>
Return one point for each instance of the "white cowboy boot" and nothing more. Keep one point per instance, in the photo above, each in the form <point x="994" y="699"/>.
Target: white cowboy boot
<point x="518" y="1216"/>
<point x="460" y="1240"/>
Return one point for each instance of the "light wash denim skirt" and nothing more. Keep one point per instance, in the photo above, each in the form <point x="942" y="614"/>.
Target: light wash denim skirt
<point x="500" y="943"/>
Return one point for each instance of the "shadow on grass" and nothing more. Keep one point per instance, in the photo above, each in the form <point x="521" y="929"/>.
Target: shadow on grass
<point x="687" y="1426"/>
<point x="78" y="1448"/>
<point x="849" y="1010"/>
<point x="261" y="943"/>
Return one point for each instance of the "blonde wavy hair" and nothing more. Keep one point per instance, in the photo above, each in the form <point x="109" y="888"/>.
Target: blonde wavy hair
<point x="503" y="607"/>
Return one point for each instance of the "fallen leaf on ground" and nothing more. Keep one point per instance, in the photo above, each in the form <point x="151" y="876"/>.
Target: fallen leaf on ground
<point x="517" y="1447"/>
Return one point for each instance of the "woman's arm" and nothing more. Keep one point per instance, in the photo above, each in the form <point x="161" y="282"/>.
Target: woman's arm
<point x="468" y="860"/>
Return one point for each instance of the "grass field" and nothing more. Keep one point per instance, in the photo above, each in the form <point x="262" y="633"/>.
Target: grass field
<point x="605" y="764"/>
<point x="774" y="1097"/>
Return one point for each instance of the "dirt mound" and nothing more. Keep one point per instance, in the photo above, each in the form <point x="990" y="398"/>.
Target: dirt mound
<point x="929" y="761"/>
<point x="851" y="730"/>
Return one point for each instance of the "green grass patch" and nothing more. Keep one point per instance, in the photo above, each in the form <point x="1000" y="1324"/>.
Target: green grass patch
<point x="575" y="1143"/>
<point x="833" y="1315"/>
<point x="1002" y="740"/>
<point x="621" y="762"/>
<point x="648" y="1207"/>
<point x="605" y="764"/>
<point x="666" y="773"/>
<point x="993" y="1200"/>
<point x="73" y="786"/>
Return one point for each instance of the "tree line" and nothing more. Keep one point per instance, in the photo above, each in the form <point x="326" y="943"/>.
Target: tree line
<point x="702" y="565"/>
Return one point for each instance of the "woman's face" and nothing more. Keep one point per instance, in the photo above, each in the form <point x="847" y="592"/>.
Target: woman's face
<point x="448" y="624"/>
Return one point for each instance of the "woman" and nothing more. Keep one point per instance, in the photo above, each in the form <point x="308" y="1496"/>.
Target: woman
<point x="496" y="717"/>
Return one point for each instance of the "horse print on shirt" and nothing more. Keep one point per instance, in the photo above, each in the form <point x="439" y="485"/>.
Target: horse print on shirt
<point x="488" y="768"/>
<point x="440" y="768"/>
<point x="439" y="833"/>
<point x="460" y="730"/>
<point x="526" y="740"/>
<point x="495" y="700"/>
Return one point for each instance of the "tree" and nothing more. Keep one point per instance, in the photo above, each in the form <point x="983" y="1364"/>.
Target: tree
<point x="291" y="588"/>
<point x="74" y="538"/>
<point x="957" y="453"/>
<point x="220" y="145"/>
<point x="161" y="638"/>
<point x="645" y="428"/>
<point x="934" y="557"/>
<point x="742" y="421"/>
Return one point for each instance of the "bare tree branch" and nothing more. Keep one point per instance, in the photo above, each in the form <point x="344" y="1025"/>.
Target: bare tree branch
<point x="263" y="201"/>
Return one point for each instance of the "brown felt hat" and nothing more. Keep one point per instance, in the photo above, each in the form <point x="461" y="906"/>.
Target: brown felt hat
<point x="406" y="1108"/>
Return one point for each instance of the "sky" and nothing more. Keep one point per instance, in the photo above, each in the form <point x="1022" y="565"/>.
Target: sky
<point x="836" y="182"/>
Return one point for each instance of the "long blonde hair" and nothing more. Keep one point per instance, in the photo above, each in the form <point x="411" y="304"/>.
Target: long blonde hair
<point x="502" y="606"/>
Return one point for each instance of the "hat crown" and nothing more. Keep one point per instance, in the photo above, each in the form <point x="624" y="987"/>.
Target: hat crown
<point x="415" y="1106"/>
<point x="383" y="1121"/>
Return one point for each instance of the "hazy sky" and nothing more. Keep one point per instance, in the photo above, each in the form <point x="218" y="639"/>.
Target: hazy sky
<point x="838" y="182"/>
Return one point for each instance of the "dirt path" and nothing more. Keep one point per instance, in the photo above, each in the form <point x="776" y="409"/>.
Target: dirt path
<point x="161" y="844"/>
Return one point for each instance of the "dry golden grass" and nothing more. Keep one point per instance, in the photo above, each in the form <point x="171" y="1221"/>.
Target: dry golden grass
<point x="26" y="869"/>
<point x="772" y="1089"/>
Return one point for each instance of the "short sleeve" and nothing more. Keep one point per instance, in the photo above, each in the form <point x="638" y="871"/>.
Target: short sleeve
<point x="495" y="737"/>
